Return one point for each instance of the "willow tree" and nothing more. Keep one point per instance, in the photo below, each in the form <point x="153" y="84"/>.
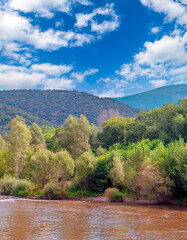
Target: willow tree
<point x="39" y="167"/>
<point x="37" y="138"/>
<point x="75" y="135"/>
<point x="85" y="166"/>
<point x="62" y="166"/>
<point x="18" y="141"/>
<point x="116" y="173"/>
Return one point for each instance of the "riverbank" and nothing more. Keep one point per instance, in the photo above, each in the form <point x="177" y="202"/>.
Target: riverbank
<point x="101" y="199"/>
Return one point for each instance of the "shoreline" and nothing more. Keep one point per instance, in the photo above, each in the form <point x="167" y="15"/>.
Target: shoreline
<point x="99" y="199"/>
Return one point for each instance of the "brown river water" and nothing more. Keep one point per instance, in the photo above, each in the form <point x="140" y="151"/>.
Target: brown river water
<point x="53" y="220"/>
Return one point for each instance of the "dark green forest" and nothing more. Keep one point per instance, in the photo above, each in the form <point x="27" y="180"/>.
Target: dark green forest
<point x="8" y="113"/>
<point x="55" y="106"/>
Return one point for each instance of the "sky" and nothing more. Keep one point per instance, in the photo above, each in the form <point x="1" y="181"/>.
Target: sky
<point x="109" y="48"/>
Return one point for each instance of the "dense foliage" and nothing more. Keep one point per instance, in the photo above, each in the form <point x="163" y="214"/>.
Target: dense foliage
<point x="166" y="123"/>
<point x="145" y="156"/>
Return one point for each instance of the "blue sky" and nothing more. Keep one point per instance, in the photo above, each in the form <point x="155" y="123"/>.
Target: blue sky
<point x="109" y="48"/>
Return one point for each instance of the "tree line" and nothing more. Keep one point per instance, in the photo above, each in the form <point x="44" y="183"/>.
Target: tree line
<point x="145" y="156"/>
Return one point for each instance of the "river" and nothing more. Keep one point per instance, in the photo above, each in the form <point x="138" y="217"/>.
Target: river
<point x="55" y="220"/>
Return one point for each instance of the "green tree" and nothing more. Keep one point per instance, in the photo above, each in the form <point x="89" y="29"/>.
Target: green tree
<point x="63" y="166"/>
<point x="49" y="133"/>
<point x="75" y="136"/>
<point x="116" y="173"/>
<point x="37" y="138"/>
<point x="99" y="180"/>
<point x="85" y="166"/>
<point x="18" y="141"/>
<point x="172" y="163"/>
<point x="39" y="167"/>
<point x="7" y="164"/>
<point x="114" y="131"/>
<point x="167" y="123"/>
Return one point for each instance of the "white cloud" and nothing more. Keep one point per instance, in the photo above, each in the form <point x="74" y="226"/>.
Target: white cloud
<point x="47" y="75"/>
<point x="51" y="70"/>
<point x="60" y="83"/>
<point x="168" y="49"/>
<point x="113" y="87"/>
<point x="156" y="30"/>
<point x="172" y="9"/>
<point x="127" y="72"/>
<point x="161" y="61"/>
<point x="83" y="20"/>
<point x="59" y="24"/>
<point x="18" y="30"/>
<point x="14" y="27"/>
<point x="13" y="51"/>
<point x="113" y="93"/>
<point x="45" y="8"/>
<point x="105" y="80"/>
<point x="158" y="83"/>
<point x="79" y="77"/>
<point x="12" y="77"/>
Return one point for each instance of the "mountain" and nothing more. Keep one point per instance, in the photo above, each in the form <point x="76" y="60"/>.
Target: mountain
<point x="56" y="105"/>
<point x="156" y="97"/>
<point x="8" y="113"/>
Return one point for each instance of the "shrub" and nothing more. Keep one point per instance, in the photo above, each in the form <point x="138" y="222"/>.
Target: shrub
<point x="8" y="185"/>
<point x="23" y="193"/>
<point x="118" y="197"/>
<point x="113" y="195"/>
<point x="39" y="194"/>
<point x="22" y="186"/>
<point x="76" y="192"/>
<point x="51" y="191"/>
<point x="151" y="184"/>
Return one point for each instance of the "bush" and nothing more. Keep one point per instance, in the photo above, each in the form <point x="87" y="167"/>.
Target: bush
<point x="113" y="195"/>
<point x="39" y="194"/>
<point x="118" y="197"/>
<point x="8" y="185"/>
<point x="75" y="191"/>
<point x="51" y="191"/>
<point x="22" y="186"/>
<point x="151" y="184"/>
<point x="23" y="193"/>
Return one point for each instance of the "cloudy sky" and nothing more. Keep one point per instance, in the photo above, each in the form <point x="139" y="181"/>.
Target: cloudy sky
<point x="109" y="48"/>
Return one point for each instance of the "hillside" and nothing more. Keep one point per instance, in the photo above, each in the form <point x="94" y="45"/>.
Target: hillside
<point x="55" y="106"/>
<point x="8" y="113"/>
<point x="157" y="97"/>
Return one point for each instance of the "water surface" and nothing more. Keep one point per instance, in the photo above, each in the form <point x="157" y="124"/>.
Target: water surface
<point x="54" y="220"/>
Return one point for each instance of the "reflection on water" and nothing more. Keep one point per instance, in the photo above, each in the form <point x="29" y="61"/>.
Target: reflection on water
<point x="54" y="220"/>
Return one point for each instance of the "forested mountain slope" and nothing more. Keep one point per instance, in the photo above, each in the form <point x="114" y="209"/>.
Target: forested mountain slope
<point x="156" y="97"/>
<point x="55" y="106"/>
<point x="8" y="113"/>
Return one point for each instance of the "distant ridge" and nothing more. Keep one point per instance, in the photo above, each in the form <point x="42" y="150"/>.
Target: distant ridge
<point x="55" y="106"/>
<point x="8" y="113"/>
<point x="156" y="97"/>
